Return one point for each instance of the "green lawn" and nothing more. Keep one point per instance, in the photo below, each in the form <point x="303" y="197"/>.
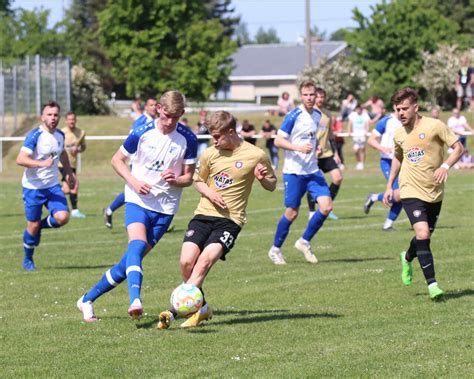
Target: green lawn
<point x="348" y="316"/>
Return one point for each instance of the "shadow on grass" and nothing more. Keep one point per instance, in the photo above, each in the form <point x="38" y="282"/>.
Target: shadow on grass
<point x="80" y="267"/>
<point x="13" y="215"/>
<point x="354" y="260"/>
<point x="457" y="294"/>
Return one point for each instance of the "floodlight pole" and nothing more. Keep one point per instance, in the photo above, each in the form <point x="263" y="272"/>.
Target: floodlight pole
<point x="308" y="34"/>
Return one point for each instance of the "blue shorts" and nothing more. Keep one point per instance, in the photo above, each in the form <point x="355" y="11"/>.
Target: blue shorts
<point x="156" y="223"/>
<point x="297" y="185"/>
<point x="52" y="198"/>
<point x="385" y="165"/>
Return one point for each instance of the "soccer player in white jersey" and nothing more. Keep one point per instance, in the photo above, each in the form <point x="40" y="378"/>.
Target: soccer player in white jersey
<point x="148" y="116"/>
<point x="40" y="154"/>
<point x="164" y="159"/>
<point x="301" y="174"/>
<point x="381" y="139"/>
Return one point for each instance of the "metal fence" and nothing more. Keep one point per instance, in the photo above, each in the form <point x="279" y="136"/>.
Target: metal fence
<point x="26" y="85"/>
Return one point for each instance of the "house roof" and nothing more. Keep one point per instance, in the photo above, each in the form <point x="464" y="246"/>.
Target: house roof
<point x="279" y="61"/>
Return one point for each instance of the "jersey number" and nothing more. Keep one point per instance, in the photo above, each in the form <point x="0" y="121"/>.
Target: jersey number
<point x="227" y="239"/>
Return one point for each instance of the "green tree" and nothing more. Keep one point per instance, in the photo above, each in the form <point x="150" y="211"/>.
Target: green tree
<point x="157" y="45"/>
<point x="461" y="12"/>
<point x="315" y="32"/>
<point x="242" y="35"/>
<point x="221" y="9"/>
<point x="5" y="6"/>
<point x="388" y="44"/>
<point x="267" y="36"/>
<point x="339" y="35"/>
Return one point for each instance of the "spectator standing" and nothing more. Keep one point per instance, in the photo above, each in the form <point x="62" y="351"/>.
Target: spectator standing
<point x="376" y="108"/>
<point x="458" y="124"/>
<point x="348" y="106"/>
<point x="203" y="143"/>
<point x="358" y="126"/>
<point x="338" y="127"/>
<point x="248" y="132"/>
<point x="285" y="104"/>
<point x="464" y="83"/>
<point x="268" y="133"/>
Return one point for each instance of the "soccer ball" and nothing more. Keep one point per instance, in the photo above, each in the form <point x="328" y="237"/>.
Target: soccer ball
<point x="186" y="299"/>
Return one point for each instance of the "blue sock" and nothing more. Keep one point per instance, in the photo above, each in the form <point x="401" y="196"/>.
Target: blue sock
<point x="118" y="202"/>
<point x="111" y="279"/>
<point x="314" y="225"/>
<point x="135" y="253"/>
<point x="29" y="243"/>
<point x="395" y="210"/>
<point x="283" y="228"/>
<point x="380" y="197"/>
<point x="49" y="222"/>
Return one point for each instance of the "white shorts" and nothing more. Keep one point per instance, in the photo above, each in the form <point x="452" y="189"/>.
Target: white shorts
<point x="358" y="143"/>
<point x="461" y="91"/>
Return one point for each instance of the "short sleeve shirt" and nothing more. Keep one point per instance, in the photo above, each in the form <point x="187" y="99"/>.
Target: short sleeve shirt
<point x="323" y="134"/>
<point x="75" y="137"/>
<point x="385" y="129"/>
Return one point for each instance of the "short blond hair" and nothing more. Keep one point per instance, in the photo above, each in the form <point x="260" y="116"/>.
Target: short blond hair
<point x="221" y="121"/>
<point x="307" y="83"/>
<point x="173" y="102"/>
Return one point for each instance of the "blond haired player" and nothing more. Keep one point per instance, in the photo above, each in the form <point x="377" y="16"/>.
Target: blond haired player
<point x="74" y="143"/>
<point x="418" y="162"/>
<point x="224" y="178"/>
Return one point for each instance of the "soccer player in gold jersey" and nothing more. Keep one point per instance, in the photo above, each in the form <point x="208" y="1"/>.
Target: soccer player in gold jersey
<point x="224" y="178"/>
<point x="418" y="162"/>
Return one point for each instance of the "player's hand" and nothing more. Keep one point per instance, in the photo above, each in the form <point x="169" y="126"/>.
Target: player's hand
<point x="47" y="162"/>
<point x="141" y="187"/>
<point x="169" y="177"/>
<point x="260" y="171"/>
<point x="441" y="175"/>
<point x="319" y="150"/>
<point x="388" y="197"/>
<point x="217" y="199"/>
<point x="337" y="159"/>
<point x="71" y="179"/>
<point x="387" y="150"/>
<point x="306" y="148"/>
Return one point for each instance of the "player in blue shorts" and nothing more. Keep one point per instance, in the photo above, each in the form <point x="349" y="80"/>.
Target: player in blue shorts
<point x="40" y="154"/>
<point x="149" y="115"/>
<point x="381" y="139"/>
<point x="301" y="174"/>
<point x="164" y="159"/>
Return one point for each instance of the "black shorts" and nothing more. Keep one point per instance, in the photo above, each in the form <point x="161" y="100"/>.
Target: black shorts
<point x="204" y="230"/>
<point x="418" y="210"/>
<point x="327" y="164"/>
<point x="63" y="176"/>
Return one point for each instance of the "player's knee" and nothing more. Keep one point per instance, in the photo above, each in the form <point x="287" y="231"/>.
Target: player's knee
<point x="291" y="214"/>
<point x="33" y="227"/>
<point x="423" y="234"/>
<point x="337" y="179"/>
<point x="62" y="217"/>
<point x="186" y="266"/>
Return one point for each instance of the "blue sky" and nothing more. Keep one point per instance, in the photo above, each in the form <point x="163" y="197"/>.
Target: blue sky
<point x="286" y="16"/>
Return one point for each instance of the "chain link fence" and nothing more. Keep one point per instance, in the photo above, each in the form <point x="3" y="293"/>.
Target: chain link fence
<point x="28" y="84"/>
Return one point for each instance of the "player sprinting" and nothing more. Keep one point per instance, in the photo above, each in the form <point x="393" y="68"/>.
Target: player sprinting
<point x="301" y="174"/>
<point x="328" y="159"/>
<point x="164" y="161"/>
<point x="418" y="163"/>
<point x="149" y="115"/>
<point x="381" y="139"/>
<point x="40" y="154"/>
<point x="224" y="178"/>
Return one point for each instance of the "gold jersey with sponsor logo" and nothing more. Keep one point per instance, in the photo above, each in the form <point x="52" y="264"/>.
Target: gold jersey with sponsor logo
<point x="324" y="133"/>
<point x="231" y="174"/>
<point x="421" y="152"/>
<point x="75" y="137"/>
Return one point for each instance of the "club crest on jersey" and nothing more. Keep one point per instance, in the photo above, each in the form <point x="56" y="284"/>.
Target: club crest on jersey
<point x="422" y="135"/>
<point x="239" y="164"/>
<point x="173" y="149"/>
<point x="155" y="166"/>
<point x="417" y="213"/>
<point x="415" y="154"/>
<point x="223" y="180"/>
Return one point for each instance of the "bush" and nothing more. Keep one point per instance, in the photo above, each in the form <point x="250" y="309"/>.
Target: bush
<point x="88" y="96"/>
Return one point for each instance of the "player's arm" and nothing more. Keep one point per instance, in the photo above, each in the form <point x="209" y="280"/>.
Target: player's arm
<point x="394" y="170"/>
<point x="184" y="180"/>
<point x="374" y="141"/>
<point x="268" y="182"/>
<point x="441" y="173"/>
<point x="69" y="174"/>
<point x="81" y="146"/>
<point x="120" y="165"/>
<point x="24" y="159"/>
<point x="213" y="196"/>
<point x="282" y="142"/>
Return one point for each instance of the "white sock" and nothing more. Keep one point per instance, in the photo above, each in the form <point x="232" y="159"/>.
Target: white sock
<point x="388" y="223"/>
<point x="374" y="197"/>
<point x="108" y="211"/>
<point x="432" y="284"/>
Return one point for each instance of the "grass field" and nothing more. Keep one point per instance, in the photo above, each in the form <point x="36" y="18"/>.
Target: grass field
<point x="348" y="316"/>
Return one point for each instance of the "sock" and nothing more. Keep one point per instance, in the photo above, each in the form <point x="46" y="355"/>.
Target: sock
<point x="311" y="202"/>
<point x="73" y="199"/>
<point x="395" y="210"/>
<point x="29" y="243"/>
<point x="49" y="222"/>
<point x="135" y="253"/>
<point x="425" y="257"/>
<point x="111" y="279"/>
<point x="387" y="224"/>
<point x="314" y="225"/>
<point x="118" y="202"/>
<point x="377" y="197"/>
<point x="411" y="252"/>
<point x="283" y="228"/>
<point x="333" y="189"/>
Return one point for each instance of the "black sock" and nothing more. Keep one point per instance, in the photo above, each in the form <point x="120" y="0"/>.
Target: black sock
<point x="73" y="198"/>
<point x="334" y="189"/>
<point x="311" y="202"/>
<point x="425" y="257"/>
<point x="203" y="298"/>
<point x="411" y="252"/>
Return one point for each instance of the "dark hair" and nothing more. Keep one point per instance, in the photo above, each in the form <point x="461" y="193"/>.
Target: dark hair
<point x="320" y="91"/>
<point x="404" y="94"/>
<point x="51" y="104"/>
<point x="70" y="113"/>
